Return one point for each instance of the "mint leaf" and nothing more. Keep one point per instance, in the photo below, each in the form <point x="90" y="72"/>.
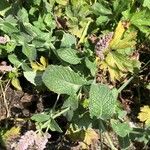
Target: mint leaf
<point x="4" y="6"/>
<point x="68" y="40"/>
<point x="62" y="80"/>
<point x="146" y="3"/>
<point x="101" y="101"/>
<point x="40" y="117"/>
<point x="34" y="77"/>
<point x="122" y="129"/>
<point x="100" y="9"/>
<point x="14" y="60"/>
<point x="72" y="102"/>
<point x="54" y="126"/>
<point x="69" y="55"/>
<point x="29" y="51"/>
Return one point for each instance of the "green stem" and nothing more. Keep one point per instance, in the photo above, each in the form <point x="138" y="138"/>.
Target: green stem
<point x="60" y="113"/>
<point x="84" y="32"/>
<point x="5" y="100"/>
<point x="108" y="137"/>
<point x="56" y="101"/>
<point x="129" y="80"/>
<point x="125" y="84"/>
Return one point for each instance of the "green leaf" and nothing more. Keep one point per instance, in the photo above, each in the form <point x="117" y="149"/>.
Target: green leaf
<point x="68" y="40"/>
<point x="23" y="15"/>
<point x="146" y="3"/>
<point x="102" y="19"/>
<point x="101" y="101"/>
<point x="100" y="9"/>
<point x="40" y="117"/>
<point x="11" y="45"/>
<point x="34" y="77"/>
<point x="62" y="80"/>
<point x="8" y="28"/>
<point x="69" y="55"/>
<point x="4" y="6"/>
<point x="124" y="142"/>
<point x="37" y="2"/>
<point x="29" y="29"/>
<point x="91" y="65"/>
<point x="62" y="2"/>
<point x="48" y="5"/>
<point x="54" y="126"/>
<point x="119" y="6"/>
<point x="29" y="51"/>
<point x="122" y="129"/>
<point x="49" y="21"/>
<point x="14" y="60"/>
<point x="148" y="86"/>
<point x="141" y="18"/>
<point x="82" y="119"/>
<point x="72" y="102"/>
<point x="11" y="19"/>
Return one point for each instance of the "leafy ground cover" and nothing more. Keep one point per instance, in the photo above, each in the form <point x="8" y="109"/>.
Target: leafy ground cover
<point x="74" y="74"/>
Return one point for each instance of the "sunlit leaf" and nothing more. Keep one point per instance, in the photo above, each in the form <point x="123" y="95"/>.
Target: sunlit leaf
<point x="118" y="34"/>
<point x="33" y="77"/>
<point x="40" y="117"/>
<point x="62" y="80"/>
<point x="14" y="60"/>
<point x="101" y="101"/>
<point x="16" y="83"/>
<point x="122" y="129"/>
<point x="10" y="134"/>
<point x="146" y="3"/>
<point x="43" y="61"/>
<point x="62" y="2"/>
<point x="68" y="40"/>
<point x="69" y="55"/>
<point x="100" y="9"/>
<point x="37" y="66"/>
<point x="29" y="51"/>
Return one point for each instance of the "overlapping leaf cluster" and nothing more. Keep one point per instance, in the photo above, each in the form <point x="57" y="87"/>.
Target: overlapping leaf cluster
<point x="48" y="45"/>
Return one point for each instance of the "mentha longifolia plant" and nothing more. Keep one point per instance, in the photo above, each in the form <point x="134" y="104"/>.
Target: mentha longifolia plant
<point x="45" y="42"/>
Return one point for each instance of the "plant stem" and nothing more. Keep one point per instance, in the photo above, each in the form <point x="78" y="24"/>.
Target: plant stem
<point x="5" y="100"/>
<point x="108" y="137"/>
<point x="56" y="101"/>
<point x="129" y="80"/>
<point x="60" y="113"/>
<point x="84" y="32"/>
<point x="125" y="84"/>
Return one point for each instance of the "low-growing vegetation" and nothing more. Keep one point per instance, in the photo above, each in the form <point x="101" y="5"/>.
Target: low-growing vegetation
<point x="74" y="74"/>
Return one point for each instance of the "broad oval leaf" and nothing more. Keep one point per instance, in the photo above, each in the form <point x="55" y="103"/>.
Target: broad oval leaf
<point x="102" y="101"/>
<point x="122" y="129"/>
<point x="72" y="102"/>
<point x="29" y="51"/>
<point x="14" y="60"/>
<point x="33" y="77"/>
<point x="62" y="80"/>
<point x="68" y="40"/>
<point x="40" y="117"/>
<point x="16" y="83"/>
<point x="69" y="55"/>
<point x="99" y="8"/>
